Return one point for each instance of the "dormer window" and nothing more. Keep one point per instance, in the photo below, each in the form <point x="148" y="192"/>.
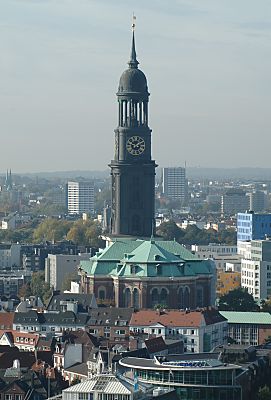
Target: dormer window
<point x="134" y="269"/>
<point x="159" y="270"/>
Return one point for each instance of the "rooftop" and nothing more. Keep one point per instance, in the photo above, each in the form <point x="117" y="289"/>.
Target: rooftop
<point x="176" y="318"/>
<point x="176" y="362"/>
<point x="241" y="317"/>
<point x="102" y="383"/>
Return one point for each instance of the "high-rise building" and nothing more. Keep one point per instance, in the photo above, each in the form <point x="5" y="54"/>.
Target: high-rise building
<point x="257" y="201"/>
<point x="80" y="197"/>
<point x="234" y="201"/>
<point x="133" y="170"/>
<point x="175" y="183"/>
<point x="251" y="226"/>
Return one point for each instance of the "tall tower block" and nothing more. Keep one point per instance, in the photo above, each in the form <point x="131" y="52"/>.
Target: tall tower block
<point x="133" y="170"/>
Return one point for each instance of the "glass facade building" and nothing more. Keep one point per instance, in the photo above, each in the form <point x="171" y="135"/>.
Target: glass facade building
<point x="192" y="375"/>
<point x="251" y="226"/>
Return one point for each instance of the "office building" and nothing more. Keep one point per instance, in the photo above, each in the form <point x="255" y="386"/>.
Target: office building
<point x="248" y="328"/>
<point x="80" y="197"/>
<point x="252" y="226"/>
<point x="174" y="184"/>
<point x="256" y="271"/>
<point x="219" y="253"/>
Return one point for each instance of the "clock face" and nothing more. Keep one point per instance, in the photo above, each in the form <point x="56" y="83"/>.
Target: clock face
<point x="135" y="145"/>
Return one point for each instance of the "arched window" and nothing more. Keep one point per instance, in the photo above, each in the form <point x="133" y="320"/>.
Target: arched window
<point x="127" y="297"/>
<point x="136" y="298"/>
<point x="186" y="298"/>
<point x="181" y="298"/>
<point x="199" y="300"/>
<point x="101" y="293"/>
<point x="154" y="297"/>
<point x="164" y="297"/>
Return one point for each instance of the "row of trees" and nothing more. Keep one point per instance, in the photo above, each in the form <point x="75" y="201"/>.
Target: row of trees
<point x="192" y="234"/>
<point x="81" y="232"/>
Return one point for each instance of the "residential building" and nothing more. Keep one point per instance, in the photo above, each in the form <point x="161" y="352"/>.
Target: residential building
<point x="248" y="328"/>
<point x="10" y="255"/>
<point x="234" y="201"/>
<point x="174" y="184"/>
<point x="144" y="273"/>
<point x="54" y="323"/>
<point x="200" y="330"/>
<point x="252" y="226"/>
<point x="76" y="302"/>
<point x="256" y="270"/>
<point x="73" y="349"/>
<point x="23" y="340"/>
<point x="12" y="281"/>
<point x="58" y="266"/>
<point x="111" y="323"/>
<point x="80" y="197"/>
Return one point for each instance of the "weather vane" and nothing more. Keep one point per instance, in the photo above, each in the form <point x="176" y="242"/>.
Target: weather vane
<point x="133" y="22"/>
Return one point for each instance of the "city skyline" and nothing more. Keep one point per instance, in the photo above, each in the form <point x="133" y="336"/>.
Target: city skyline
<point x="207" y="66"/>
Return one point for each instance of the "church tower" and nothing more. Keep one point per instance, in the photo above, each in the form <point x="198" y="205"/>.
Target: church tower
<point x="133" y="170"/>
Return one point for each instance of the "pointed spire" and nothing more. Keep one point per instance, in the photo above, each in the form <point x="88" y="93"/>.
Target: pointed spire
<point x="133" y="63"/>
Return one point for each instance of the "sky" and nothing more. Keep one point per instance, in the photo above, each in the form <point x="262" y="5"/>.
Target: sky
<point x="207" y="62"/>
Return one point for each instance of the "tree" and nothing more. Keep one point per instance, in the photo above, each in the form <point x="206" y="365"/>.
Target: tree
<point x="86" y="233"/>
<point x="51" y="229"/>
<point x="264" y="393"/>
<point x="170" y="231"/>
<point x="39" y="287"/>
<point x="237" y="300"/>
<point x="25" y="290"/>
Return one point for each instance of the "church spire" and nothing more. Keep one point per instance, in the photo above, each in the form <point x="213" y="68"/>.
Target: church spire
<point x="133" y="63"/>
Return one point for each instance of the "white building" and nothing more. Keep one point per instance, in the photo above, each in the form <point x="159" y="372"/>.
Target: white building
<point x="174" y="183"/>
<point x="219" y="253"/>
<point x="58" y="266"/>
<point x="256" y="270"/>
<point x="201" y="331"/>
<point x="80" y="197"/>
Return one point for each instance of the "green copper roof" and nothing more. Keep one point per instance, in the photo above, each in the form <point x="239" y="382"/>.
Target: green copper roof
<point x="151" y="251"/>
<point x="149" y="258"/>
<point x="238" y="317"/>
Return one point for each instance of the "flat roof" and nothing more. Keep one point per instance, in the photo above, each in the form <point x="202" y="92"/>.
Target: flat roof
<point x="242" y="317"/>
<point x="178" y="364"/>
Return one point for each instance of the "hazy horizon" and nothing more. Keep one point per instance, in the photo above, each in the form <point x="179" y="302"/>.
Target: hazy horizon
<point x="208" y="69"/>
